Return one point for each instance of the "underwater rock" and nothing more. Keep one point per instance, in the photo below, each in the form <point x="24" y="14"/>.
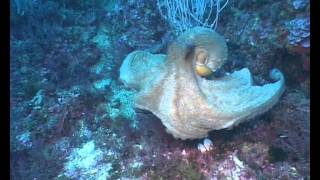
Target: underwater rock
<point x="179" y="87"/>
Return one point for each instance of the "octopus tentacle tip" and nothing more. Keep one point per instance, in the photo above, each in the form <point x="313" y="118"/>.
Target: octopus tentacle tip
<point x="276" y="74"/>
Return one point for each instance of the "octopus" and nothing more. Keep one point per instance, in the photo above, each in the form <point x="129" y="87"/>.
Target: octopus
<point x="181" y="90"/>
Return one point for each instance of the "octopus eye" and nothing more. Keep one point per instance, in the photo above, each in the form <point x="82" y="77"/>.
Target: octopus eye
<point x="201" y="59"/>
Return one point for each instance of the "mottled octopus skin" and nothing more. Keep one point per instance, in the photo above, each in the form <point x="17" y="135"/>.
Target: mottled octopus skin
<point x="189" y="105"/>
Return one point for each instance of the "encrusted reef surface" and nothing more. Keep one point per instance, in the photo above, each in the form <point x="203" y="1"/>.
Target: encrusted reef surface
<point x="71" y="117"/>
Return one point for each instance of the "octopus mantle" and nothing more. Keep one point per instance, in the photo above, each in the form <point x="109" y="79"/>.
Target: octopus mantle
<point x="190" y="105"/>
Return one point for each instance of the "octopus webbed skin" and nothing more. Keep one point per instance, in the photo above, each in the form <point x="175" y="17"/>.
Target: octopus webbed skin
<point x="176" y="89"/>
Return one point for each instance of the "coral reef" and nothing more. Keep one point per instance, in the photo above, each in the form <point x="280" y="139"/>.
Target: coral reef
<point x="67" y="104"/>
